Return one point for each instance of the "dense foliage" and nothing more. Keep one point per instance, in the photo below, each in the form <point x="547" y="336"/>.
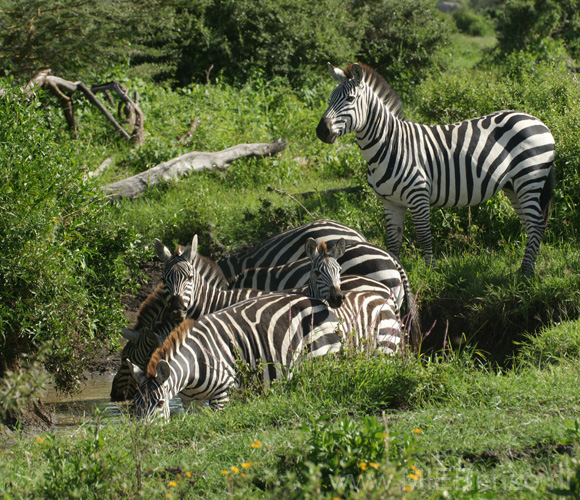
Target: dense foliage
<point x="64" y="254"/>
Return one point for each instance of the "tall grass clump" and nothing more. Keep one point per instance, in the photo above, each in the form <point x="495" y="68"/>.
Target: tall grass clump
<point x="65" y="255"/>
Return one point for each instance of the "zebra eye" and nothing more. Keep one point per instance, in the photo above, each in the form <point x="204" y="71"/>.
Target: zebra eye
<point x="350" y="98"/>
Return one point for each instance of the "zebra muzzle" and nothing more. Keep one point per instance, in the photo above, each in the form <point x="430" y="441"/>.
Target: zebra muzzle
<point x="336" y="298"/>
<point x="324" y="131"/>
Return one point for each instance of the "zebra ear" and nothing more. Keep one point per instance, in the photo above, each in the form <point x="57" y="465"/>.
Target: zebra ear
<point x="163" y="371"/>
<point x="357" y="73"/>
<point x="336" y="73"/>
<point x="311" y="248"/>
<point x="130" y="335"/>
<point x="339" y="248"/>
<point x="191" y="250"/>
<point x="162" y="251"/>
<point x="138" y="374"/>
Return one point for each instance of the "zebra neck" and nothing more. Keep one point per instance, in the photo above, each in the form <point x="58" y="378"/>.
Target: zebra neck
<point x="381" y="132"/>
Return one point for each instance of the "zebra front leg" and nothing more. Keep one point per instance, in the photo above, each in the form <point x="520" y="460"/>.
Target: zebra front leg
<point x="395" y="216"/>
<point x="422" y="222"/>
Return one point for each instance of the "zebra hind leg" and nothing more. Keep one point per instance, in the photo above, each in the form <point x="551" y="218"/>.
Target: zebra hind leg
<point x="534" y="219"/>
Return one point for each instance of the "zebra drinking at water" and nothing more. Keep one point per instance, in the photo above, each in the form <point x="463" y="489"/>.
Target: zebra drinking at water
<point x="198" y="360"/>
<point x="413" y="166"/>
<point x="185" y="294"/>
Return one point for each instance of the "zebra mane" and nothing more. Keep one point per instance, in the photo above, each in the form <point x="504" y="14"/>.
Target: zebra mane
<point x="156" y="297"/>
<point x="380" y="87"/>
<point x="169" y="346"/>
<point x="322" y="248"/>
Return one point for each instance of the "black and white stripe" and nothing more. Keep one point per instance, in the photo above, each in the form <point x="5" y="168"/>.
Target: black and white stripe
<point x="358" y="259"/>
<point x="198" y="360"/>
<point x="413" y="166"/>
<point x="185" y="294"/>
<point x="287" y="246"/>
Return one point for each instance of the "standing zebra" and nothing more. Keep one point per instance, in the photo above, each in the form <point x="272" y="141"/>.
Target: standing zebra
<point x="287" y="246"/>
<point x="413" y="166"/>
<point x="198" y="360"/>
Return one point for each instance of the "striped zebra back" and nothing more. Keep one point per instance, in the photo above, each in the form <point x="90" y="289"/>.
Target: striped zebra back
<point x="270" y="333"/>
<point x="287" y="246"/>
<point x="362" y="259"/>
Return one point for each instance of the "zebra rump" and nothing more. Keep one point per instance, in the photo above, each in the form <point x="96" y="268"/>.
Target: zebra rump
<point x="270" y="333"/>
<point x="287" y="246"/>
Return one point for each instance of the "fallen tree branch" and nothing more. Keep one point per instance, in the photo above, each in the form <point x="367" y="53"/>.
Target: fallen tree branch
<point x="187" y="163"/>
<point x="64" y="90"/>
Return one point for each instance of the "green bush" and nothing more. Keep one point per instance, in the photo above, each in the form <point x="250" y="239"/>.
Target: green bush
<point x="524" y="24"/>
<point x="471" y="23"/>
<point x="401" y="39"/>
<point x="65" y="254"/>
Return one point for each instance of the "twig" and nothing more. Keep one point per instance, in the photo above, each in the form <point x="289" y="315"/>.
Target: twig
<point x="284" y="193"/>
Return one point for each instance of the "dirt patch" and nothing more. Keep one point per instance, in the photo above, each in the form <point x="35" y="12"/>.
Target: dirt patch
<point x="149" y="277"/>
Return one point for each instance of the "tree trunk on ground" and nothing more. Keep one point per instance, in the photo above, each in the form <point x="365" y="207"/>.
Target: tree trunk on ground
<point x="187" y="163"/>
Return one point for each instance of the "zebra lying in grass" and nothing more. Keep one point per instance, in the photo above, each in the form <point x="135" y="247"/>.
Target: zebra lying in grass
<point x="361" y="259"/>
<point x="288" y="246"/>
<point x="198" y="360"/>
<point x="185" y="294"/>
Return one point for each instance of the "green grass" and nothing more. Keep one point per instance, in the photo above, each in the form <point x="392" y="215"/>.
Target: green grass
<point x="466" y="428"/>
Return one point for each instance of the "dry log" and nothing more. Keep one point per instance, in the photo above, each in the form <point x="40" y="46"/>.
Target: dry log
<point x="64" y="90"/>
<point x="187" y="163"/>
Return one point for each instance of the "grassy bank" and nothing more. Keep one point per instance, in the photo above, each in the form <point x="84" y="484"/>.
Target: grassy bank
<point x="444" y="427"/>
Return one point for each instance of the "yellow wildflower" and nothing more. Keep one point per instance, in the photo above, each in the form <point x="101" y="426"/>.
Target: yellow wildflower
<point x="225" y="472"/>
<point x="39" y="439"/>
<point x="407" y="488"/>
<point x="256" y="444"/>
<point x="417" y="431"/>
<point x="243" y="475"/>
<point x="374" y="465"/>
<point x="188" y="475"/>
<point x="234" y="469"/>
<point x="173" y="484"/>
<point x="416" y="471"/>
<point x="363" y="466"/>
<point x="384" y="435"/>
<point x="247" y="465"/>
<point x="413" y="476"/>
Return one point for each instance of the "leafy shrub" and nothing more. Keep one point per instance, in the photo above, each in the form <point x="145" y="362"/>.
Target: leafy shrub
<point x="65" y="255"/>
<point x="401" y="38"/>
<point x="471" y="23"/>
<point x="247" y="40"/>
<point x="523" y="24"/>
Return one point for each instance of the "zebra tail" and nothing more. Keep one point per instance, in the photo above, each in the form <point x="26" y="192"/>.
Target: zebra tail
<point x="546" y="195"/>
<point x="412" y="313"/>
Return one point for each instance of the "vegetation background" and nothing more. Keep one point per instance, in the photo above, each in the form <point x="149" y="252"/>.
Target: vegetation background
<point x="490" y="407"/>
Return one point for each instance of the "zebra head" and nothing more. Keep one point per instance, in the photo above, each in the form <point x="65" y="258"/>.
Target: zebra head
<point x="140" y="347"/>
<point x="152" y="396"/>
<point x="325" y="271"/>
<point x="360" y="89"/>
<point x="180" y="277"/>
<point x="343" y="113"/>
